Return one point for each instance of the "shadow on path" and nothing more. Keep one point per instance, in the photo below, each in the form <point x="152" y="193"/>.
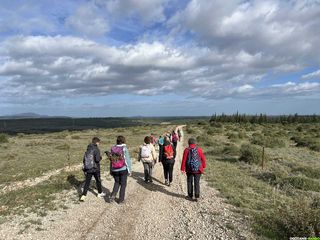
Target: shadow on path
<point x="78" y="186"/>
<point x="139" y="177"/>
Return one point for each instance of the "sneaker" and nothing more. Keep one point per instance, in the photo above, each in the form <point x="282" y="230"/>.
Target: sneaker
<point x="83" y="198"/>
<point x="101" y="195"/>
<point x="150" y="180"/>
<point x="166" y="182"/>
<point x="121" y="202"/>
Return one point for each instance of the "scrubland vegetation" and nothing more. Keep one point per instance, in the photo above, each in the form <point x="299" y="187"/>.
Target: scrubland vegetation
<point x="280" y="196"/>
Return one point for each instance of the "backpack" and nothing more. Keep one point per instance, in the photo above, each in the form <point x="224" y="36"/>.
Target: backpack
<point x="174" y="138"/>
<point x="168" y="151"/>
<point x="194" y="161"/>
<point x="145" y="151"/>
<point x="89" y="162"/>
<point x="117" y="157"/>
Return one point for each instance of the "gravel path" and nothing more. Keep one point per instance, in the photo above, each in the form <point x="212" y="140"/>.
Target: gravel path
<point x="151" y="211"/>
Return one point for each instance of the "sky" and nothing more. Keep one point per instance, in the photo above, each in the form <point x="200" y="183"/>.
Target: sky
<point x="108" y="58"/>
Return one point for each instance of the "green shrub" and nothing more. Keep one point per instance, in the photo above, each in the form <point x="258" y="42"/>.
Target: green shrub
<point x="75" y="137"/>
<point x="233" y="150"/>
<point x="4" y="138"/>
<point x="302" y="183"/>
<point x="297" y="219"/>
<point x="251" y="154"/>
<point x="216" y="124"/>
<point x="190" y="130"/>
<point x="268" y="141"/>
<point x="206" y="140"/>
<point x="311" y="172"/>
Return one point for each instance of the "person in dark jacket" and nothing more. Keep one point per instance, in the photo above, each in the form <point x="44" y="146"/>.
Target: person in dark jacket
<point x="167" y="155"/>
<point x="193" y="171"/>
<point x="94" y="170"/>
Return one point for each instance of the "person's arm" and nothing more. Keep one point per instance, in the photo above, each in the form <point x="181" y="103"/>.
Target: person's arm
<point x="174" y="151"/>
<point x="128" y="160"/>
<point x="160" y="153"/>
<point x="153" y="153"/>
<point x="184" y="160"/>
<point x="203" y="158"/>
<point x="97" y="155"/>
<point x="139" y="155"/>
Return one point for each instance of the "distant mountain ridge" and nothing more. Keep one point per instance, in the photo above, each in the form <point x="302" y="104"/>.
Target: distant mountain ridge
<point x="29" y="115"/>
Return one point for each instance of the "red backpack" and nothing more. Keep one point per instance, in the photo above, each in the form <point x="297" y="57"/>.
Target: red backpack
<point x="168" y="151"/>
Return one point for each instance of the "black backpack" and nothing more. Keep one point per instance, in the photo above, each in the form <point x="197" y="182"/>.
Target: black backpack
<point x="89" y="162"/>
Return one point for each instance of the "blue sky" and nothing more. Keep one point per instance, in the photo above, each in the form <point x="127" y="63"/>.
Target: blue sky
<point x="159" y="57"/>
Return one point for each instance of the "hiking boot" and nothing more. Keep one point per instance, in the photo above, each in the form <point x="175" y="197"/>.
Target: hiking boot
<point x="189" y="198"/>
<point x="83" y="198"/>
<point x="150" y="180"/>
<point x="101" y="195"/>
<point x="111" y="199"/>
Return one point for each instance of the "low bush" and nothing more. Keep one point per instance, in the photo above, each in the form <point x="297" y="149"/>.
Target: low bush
<point x="4" y="138"/>
<point x="302" y="183"/>
<point x="232" y="149"/>
<point x="299" y="218"/>
<point x="251" y="154"/>
<point x="268" y="141"/>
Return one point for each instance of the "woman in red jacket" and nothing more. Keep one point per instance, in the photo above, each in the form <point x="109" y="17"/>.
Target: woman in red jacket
<point x="193" y="163"/>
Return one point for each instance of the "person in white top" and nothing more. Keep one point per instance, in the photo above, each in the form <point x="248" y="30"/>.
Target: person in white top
<point x="147" y="155"/>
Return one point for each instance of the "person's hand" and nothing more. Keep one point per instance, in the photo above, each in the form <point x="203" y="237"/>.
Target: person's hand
<point x="183" y="172"/>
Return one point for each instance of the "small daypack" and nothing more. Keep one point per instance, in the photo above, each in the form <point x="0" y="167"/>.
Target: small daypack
<point x="168" y="151"/>
<point x="175" y="138"/>
<point x="145" y="151"/>
<point x="117" y="157"/>
<point x="194" y="160"/>
<point x="89" y="161"/>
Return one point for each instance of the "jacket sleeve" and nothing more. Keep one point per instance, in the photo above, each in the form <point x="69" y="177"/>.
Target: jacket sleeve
<point x="139" y="154"/>
<point x="160" y="153"/>
<point x="203" y="158"/>
<point x="97" y="155"/>
<point x="128" y="159"/>
<point x="184" y="160"/>
<point x="153" y="153"/>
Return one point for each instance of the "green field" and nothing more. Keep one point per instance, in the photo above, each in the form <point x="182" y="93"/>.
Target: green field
<point x="282" y="198"/>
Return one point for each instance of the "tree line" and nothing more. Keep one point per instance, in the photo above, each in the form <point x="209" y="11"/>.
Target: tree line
<point x="264" y="118"/>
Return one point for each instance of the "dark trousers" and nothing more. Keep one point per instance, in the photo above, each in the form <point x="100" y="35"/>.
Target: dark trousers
<point x="88" y="180"/>
<point x="193" y="178"/>
<point x="168" y="169"/>
<point x="120" y="181"/>
<point x="148" y="167"/>
<point x="175" y="145"/>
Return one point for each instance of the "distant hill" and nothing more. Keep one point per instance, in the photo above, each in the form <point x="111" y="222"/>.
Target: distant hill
<point x="28" y="116"/>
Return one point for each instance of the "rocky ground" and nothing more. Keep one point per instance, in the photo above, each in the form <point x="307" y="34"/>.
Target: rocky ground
<point x="151" y="211"/>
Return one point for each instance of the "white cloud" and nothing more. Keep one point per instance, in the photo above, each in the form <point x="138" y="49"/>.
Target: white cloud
<point x="315" y="74"/>
<point x="148" y="11"/>
<point x="88" y="21"/>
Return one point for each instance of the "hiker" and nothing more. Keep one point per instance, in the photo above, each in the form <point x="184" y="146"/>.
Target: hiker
<point x="179" y="134"/>
<point x="167" y="156"/>
<point x="160" y="140"/>
<point x="91" y="167"/>
<point x="147" y="155"/>
<point x="193" y="163"/>
<point x="175" y="139"/>
<point x="153" y="139"/>
<point x="120" y="168"/>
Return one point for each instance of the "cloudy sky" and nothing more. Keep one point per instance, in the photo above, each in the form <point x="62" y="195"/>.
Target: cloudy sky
<point x="159" y="57"/>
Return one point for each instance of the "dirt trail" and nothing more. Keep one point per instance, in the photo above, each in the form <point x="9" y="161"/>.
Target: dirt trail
<point x="152" y="211"/>
<point x="14" y="186"/>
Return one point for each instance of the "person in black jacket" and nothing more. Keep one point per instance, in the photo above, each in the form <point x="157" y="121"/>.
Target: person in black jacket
<point x="92" y="170"/>
<point x="167" y="155"/>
